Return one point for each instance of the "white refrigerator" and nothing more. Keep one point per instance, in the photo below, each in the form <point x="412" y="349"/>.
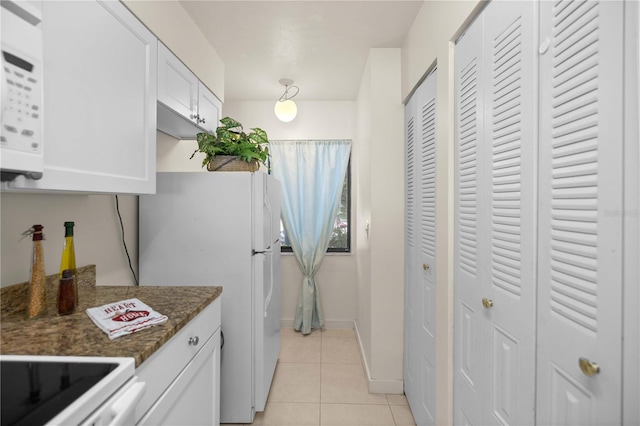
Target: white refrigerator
<point x="222" y="229"/>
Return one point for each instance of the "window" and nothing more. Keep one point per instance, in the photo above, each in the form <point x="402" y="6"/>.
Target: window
<point x="341" y="238"/>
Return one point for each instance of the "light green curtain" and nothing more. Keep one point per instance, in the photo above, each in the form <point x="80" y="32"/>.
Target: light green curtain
<point x="312" y="174"/>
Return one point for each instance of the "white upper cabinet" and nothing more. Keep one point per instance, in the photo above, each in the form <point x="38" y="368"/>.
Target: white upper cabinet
<point x="177" y="86"/>
<point x="100" y="92"/>
<point x="185" y="105"/>
<point x="208" y="109"/>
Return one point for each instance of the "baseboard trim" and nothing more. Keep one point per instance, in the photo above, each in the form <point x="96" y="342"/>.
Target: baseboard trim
<point x="377" y="386"/>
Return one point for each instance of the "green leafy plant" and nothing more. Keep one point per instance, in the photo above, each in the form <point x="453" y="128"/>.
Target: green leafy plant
<point x="230" y="139"/>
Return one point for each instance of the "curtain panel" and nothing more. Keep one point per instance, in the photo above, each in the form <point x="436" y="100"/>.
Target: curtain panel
<point x="312" y="175"/>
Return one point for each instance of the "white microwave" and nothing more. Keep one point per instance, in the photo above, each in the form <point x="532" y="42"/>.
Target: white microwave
<point x="21" y="131"/>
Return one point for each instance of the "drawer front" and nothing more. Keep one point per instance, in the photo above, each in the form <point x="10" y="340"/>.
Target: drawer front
<point x="164" y="366"/>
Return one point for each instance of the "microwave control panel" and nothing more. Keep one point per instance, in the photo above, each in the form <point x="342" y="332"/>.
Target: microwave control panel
<point x="21" y="131"/>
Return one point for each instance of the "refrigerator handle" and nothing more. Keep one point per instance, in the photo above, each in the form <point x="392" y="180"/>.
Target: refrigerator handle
<point x="267" y="301"/>
<point x="270" y="214"/>
<point x="269" y="210"/>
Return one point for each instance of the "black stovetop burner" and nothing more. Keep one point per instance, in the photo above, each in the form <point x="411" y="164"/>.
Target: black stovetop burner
<point x="35" y="392"/>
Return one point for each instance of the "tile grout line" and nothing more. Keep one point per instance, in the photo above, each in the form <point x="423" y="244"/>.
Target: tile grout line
<point x="333" y="338"/>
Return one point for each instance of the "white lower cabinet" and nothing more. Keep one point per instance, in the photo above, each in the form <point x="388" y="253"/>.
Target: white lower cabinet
<point x="183" y="376"/>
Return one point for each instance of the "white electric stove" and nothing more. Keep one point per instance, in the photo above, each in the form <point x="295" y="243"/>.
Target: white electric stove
<point x="66" y="390"/>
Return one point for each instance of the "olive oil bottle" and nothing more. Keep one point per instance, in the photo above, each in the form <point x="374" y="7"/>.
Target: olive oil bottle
<point x="68" y="261"/>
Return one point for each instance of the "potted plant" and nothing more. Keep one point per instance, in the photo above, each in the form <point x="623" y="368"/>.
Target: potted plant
<point x="231" y="149"/>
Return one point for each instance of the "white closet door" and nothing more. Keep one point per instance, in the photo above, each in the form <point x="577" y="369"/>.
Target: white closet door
<point x="494" y="356"/>
<point x="510" y="190"/>
<point x="580" y="243"/>
<point x="469" y="357"/>
<point x="420" y="268"/>
<point x="411" y="315"/>
<point x="427" y="249"/>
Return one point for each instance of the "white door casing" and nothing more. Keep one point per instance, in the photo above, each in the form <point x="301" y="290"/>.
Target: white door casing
<point x="631" y="217"/>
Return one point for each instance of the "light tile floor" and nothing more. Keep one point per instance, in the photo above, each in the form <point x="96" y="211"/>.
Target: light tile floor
<point x="319" y="380"/>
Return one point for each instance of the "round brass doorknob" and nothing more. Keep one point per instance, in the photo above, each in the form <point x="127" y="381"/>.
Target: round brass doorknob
<point x="425" y="266"/>
<point x="589" y="368"/>
<point x="487" y="303"/>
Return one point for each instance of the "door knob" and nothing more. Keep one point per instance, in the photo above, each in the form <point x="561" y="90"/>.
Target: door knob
<point x="589" y="368"/>
<point x="425" y="266"/>
<point x="487" y="303"/>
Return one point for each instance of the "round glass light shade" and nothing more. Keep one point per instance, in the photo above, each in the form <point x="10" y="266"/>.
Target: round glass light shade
<point x="286" y="110"/>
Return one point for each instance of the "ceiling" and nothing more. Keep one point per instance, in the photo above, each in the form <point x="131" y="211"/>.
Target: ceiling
<point x="321" y="45"/>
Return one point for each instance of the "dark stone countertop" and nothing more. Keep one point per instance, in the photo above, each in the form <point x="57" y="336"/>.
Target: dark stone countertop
<point x="77" y="335"/>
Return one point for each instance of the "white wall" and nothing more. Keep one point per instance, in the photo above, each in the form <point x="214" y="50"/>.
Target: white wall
<point x="97" y="235"/>
<point x="431" y="41"/>
<point x="337" y="275"/>
<point x="361" y="190"/>
<point x="380" y="189"/>
<point x="169" y="21"/>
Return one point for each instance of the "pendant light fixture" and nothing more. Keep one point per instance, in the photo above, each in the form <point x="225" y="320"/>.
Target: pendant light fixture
<point x="285" y="109"/>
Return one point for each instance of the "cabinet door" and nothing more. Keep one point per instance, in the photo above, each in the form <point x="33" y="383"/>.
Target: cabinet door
<point x="194" y="396"/>
<point x="208" y="109"/>
<point x="177" y="85"/>
<point x="580" y="243"/>
<point x="99" y="100"/>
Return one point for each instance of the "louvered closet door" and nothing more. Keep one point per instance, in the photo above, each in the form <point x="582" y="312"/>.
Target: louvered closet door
<point x="494" y="275"/>
<point x="426" y="179"/>
<point x="469" y="356"/>
<point x="580" y="259"/>
<point x="420" y="268"/>
<point x="509" y="188"/>
<point x="410" y="373"/>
